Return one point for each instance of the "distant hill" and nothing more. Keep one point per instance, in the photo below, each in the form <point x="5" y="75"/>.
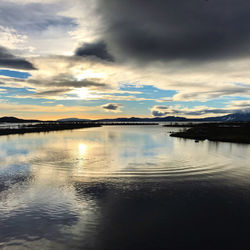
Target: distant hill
<point x="10" y="119"/>
<point x="243" y="117"/>
<point x="73" y="120"/>
<point x="237" y="117"/>
<point x="136" y="119"/>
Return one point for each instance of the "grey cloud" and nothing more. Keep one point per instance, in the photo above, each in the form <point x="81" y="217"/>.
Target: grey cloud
<point x="208" y="111"/>
<point x="162" y="107"/>
<point x="33" y="17"/>
<point x="98" y="49"/>
<point x="243" y="105"/>
<point x="227" y="90"/>
<point x="8" y="60"/>
<point x="52" y="92"/>
<point x="217" y="111"/>
<point x="165" y="110"/>
<point x="167" y="30"/>
<point x="11" y="79"/>
<point x="65" y="80"/>
<point x="159" y="111"/>
<point x="111" y="106"/>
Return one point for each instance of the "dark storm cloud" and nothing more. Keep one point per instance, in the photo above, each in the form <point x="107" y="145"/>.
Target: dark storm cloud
<point x="8" y="60"/>
<point x="166" y="30"/>
<point x="111" y="106"/>
<point x="98" y="49"/>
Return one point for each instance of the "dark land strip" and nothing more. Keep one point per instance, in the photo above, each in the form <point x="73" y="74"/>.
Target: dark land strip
<point x="46" y="127"/>
<point x="224" y="132"/>
<point x="56" y="126"/>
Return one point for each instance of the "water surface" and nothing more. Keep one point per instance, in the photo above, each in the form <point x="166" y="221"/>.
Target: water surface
<point x="122" y="187"/>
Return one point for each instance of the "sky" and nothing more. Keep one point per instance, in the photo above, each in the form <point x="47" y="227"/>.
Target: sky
<point x="121" y="58"/>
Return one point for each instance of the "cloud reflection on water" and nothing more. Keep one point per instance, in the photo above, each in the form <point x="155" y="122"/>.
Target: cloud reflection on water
<point x="102" y="185"/>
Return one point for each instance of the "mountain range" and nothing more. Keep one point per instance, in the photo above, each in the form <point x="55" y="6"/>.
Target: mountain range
<point x="236" y="117"/>
<point x="73" y="120"/>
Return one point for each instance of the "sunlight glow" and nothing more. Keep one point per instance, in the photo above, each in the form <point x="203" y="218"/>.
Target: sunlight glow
<point x="83" y="93"/>
<point x="82" y="148"/>
<point x="87" y="74"/>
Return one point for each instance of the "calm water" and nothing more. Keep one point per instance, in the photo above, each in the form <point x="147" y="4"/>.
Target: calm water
<point x="118" y="188"/>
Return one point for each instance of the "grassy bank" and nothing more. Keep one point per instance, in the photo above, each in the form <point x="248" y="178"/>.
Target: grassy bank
<point x="239" y="133"/>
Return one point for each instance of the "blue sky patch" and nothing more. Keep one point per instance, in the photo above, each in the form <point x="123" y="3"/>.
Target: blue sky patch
<point x="15" y="74"/>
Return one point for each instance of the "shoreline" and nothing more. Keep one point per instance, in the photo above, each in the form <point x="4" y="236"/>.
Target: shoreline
<point x="58" y="126"/>
<point x="239" y="133"/>
<point x="49" y="127"/>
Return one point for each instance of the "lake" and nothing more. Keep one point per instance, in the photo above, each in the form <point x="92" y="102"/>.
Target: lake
<point x="123" y="187"/>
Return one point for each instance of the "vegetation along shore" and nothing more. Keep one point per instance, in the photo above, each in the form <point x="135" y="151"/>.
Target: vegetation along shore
<point x="224" y="132"/>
